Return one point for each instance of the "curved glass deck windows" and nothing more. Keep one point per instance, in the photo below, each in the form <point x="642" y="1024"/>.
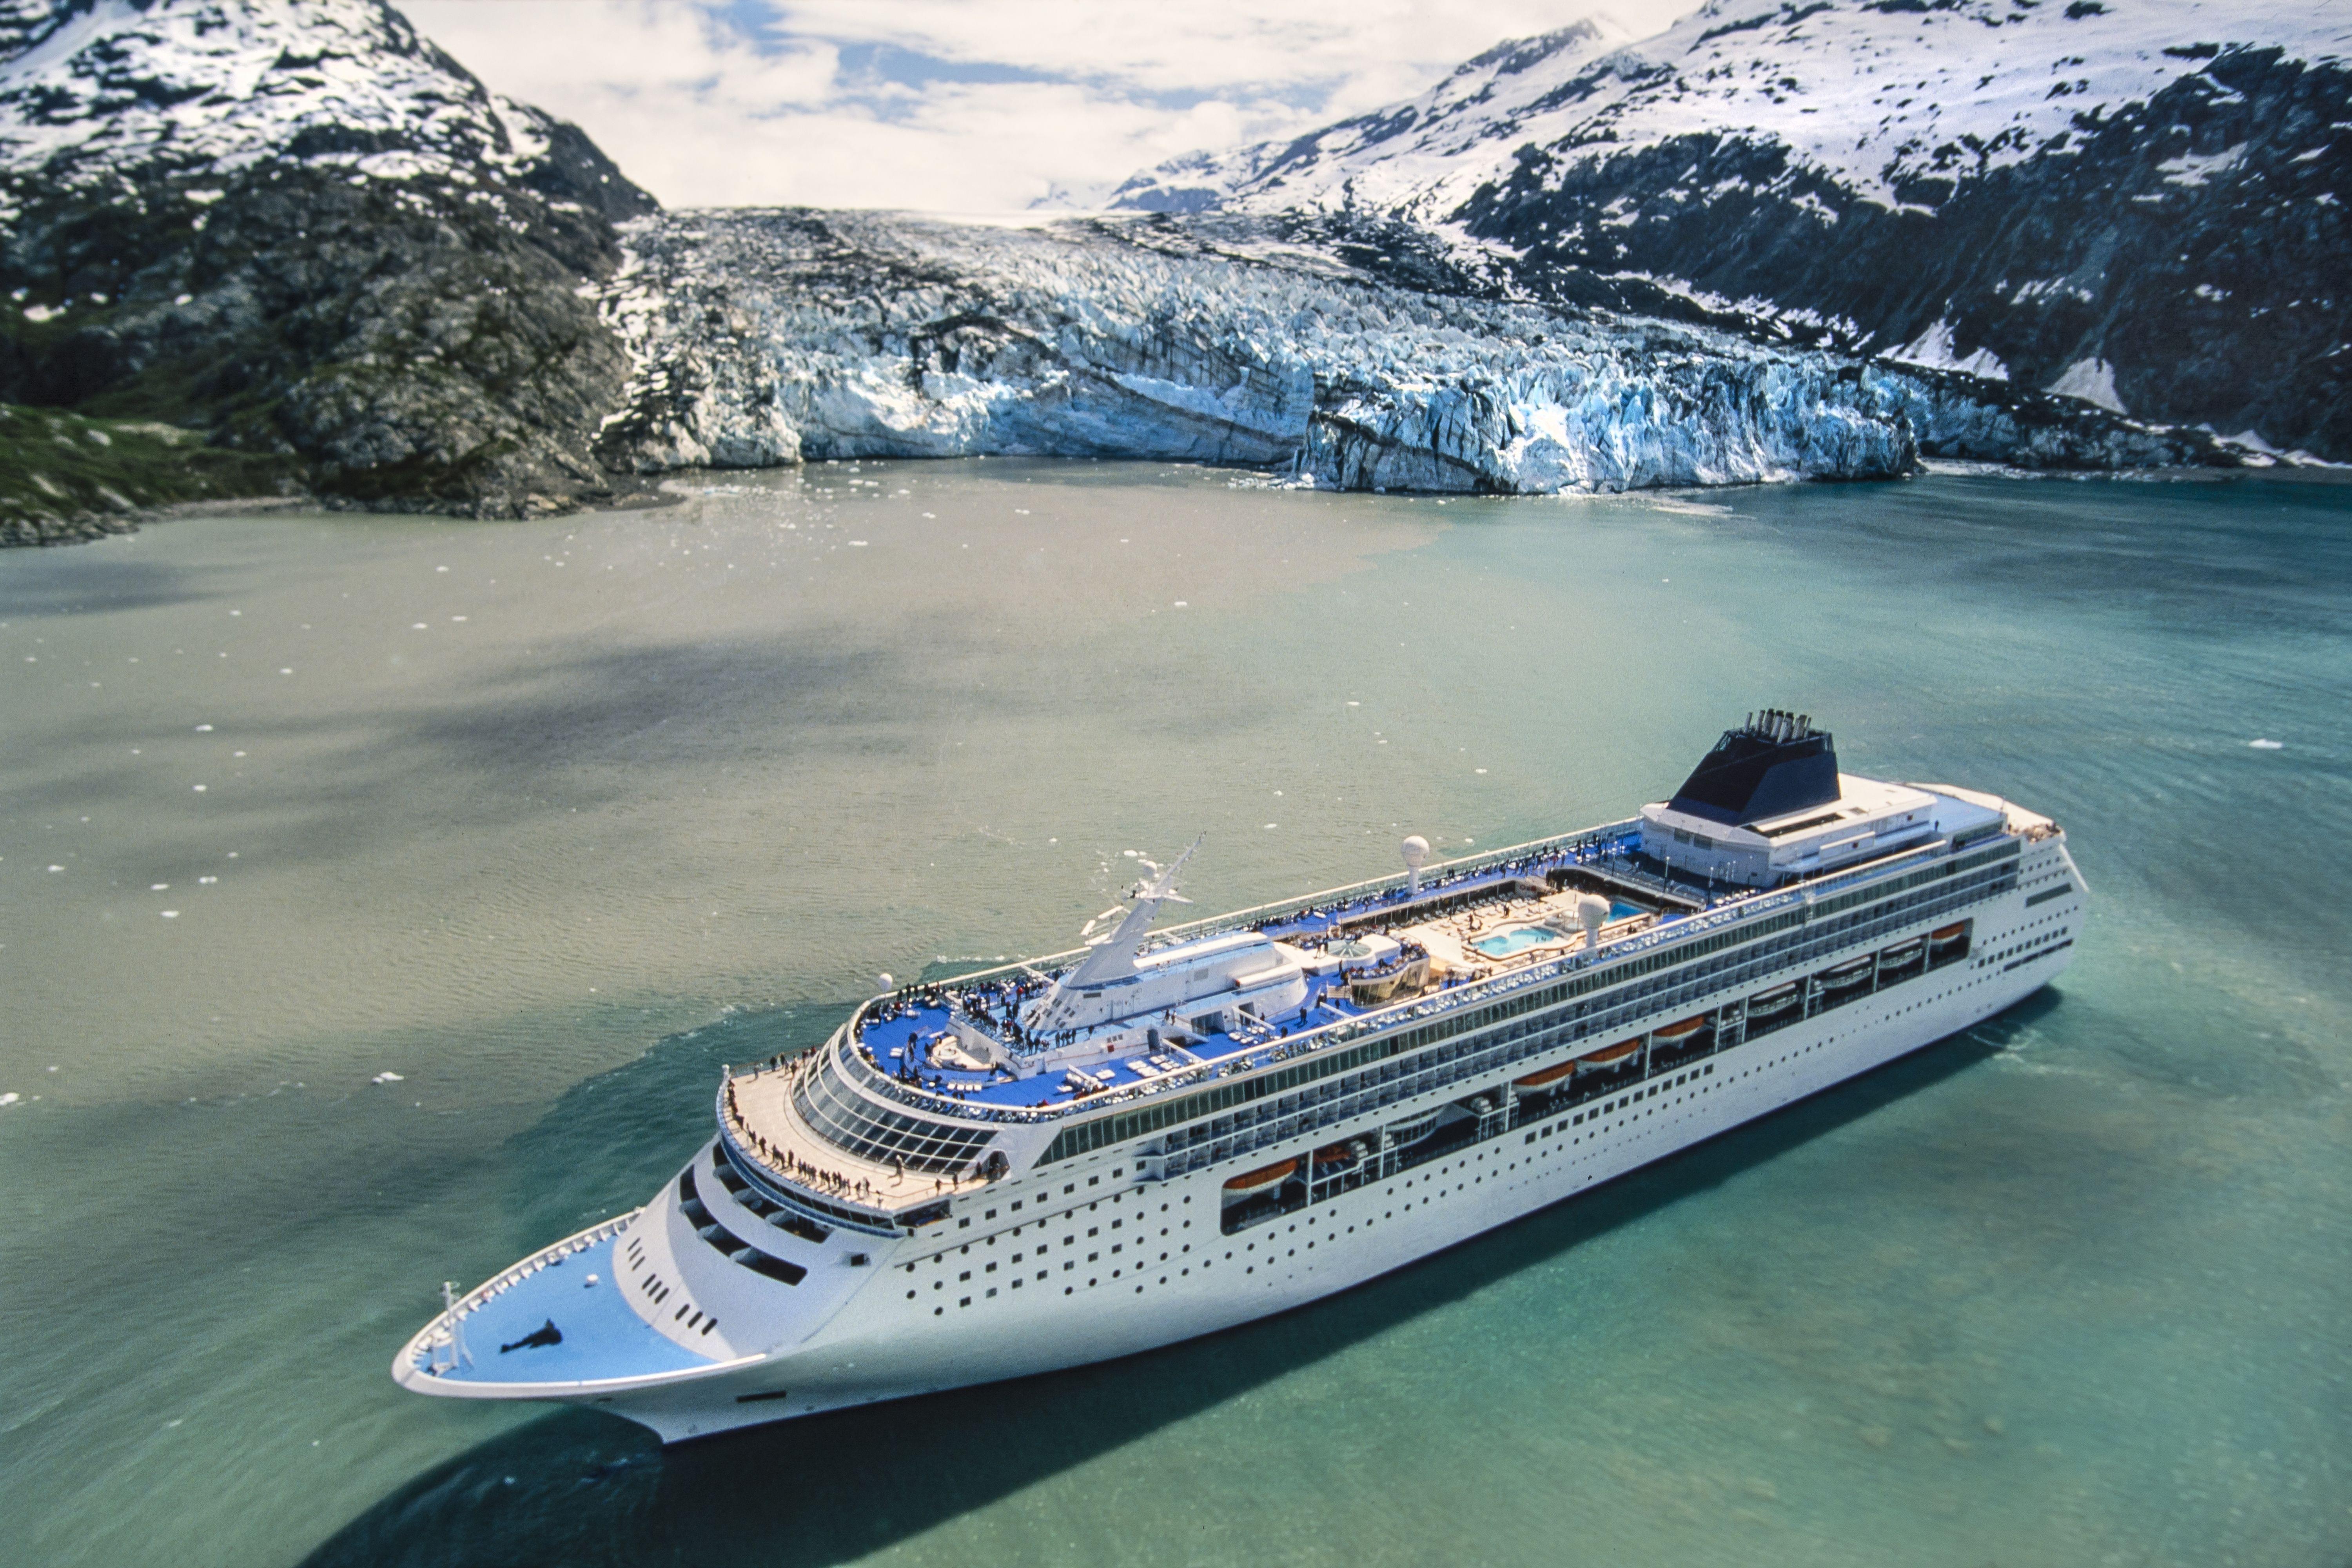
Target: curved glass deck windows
<point x="841" y="1115"/>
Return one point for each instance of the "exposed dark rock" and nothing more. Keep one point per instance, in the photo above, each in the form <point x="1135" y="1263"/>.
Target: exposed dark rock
<point x="391" y="303"/>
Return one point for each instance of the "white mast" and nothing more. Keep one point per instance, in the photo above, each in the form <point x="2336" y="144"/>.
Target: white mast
<point x="1113" y="957"/>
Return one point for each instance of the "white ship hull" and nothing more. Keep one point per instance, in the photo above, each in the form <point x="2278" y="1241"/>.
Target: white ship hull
<point x="1102" y="1259"/>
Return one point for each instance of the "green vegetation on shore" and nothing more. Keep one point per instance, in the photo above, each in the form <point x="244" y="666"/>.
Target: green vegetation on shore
<point x="65" y="477"/>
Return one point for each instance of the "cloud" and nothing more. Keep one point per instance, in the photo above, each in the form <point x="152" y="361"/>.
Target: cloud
<point x="956" y="105"/>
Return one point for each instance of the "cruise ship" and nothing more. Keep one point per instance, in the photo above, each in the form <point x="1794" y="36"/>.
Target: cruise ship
<point x="1164" y="1133"/>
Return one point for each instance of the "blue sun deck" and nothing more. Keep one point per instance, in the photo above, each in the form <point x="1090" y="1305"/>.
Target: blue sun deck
<point x="602" y="1337"/>
<point x="902" y="1039"/>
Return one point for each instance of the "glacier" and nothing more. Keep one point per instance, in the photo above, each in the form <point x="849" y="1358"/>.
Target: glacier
<point x="764" y="337"/>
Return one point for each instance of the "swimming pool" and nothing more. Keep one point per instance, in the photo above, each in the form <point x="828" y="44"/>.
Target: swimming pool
<point x="1519" y="938"/>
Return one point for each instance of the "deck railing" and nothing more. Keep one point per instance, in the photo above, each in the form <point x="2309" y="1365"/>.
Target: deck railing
<point x="1451" y="1000"/>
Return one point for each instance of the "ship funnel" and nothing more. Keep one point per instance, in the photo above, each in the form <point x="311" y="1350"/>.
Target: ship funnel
<point x="1591" y="914"/>
<point x="1416" y="856"/>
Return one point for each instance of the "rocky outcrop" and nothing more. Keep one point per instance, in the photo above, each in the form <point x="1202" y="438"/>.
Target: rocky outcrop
<point x="305" y="231"/>
<point x="769" y="337"/>
<point x="65" y="480"/>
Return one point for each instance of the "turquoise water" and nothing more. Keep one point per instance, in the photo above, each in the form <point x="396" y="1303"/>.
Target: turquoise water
<point x="2069" y="1290"/>
<point x="1519" y="938"/>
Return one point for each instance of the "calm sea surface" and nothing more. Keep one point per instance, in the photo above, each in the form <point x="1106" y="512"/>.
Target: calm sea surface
<point x="551" y="819"/>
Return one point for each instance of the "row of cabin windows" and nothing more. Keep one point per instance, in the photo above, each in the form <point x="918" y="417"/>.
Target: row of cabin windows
<point x="1395" y="1083"/>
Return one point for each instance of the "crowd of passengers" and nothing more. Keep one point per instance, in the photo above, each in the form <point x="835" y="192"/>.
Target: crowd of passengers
<point x="791" y="1164"/>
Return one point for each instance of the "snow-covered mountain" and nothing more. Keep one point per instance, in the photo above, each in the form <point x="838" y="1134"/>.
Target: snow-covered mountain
<point x="302" y="227"/>
<point x="93" y="91"/>
<point x="299" y="226"/>
<point x="2136" y="202"/>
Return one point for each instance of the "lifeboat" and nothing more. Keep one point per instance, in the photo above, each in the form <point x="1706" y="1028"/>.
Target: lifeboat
<point x="1853" y="972"/>
<point x="1764" y="1004"/>
<point x="1944" y="936"/>
<point x="1402" y="1134"/>
<point x="1546" y="1078"/>
<point x="1612" y="1056"/>
<point x="1341" y="1155"/>
<point x="1249" y="1183"/>
<point x="1676" y="1034"/>
<point x="1903" y="954"/>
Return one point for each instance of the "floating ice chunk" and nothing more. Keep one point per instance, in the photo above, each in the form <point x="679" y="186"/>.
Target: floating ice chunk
<point x="11" y="1097"/>
<point x="171" y="914"/>
<point x="1183" y="604"/>
<point x="56" y="868"/>
<point x="157" y="887"/>
<point x="203" y="729"/>
<point x="440" y="568"/>
<point x="198" y="788"/>
<point x="2258" y="746"/>
<point x="386" y="1078"/>
<point x="858" y="544"/>
<point x="207" y="881"/>
<point x="419" y="626"/>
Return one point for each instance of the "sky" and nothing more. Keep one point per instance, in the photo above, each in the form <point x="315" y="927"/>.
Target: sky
<point x="960" y="105"/>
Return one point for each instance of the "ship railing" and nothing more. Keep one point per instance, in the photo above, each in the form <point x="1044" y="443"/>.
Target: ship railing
<point x="1447" y="1000"/>
<point x="514" y="1273"/>
<point x="793" y="1193"/>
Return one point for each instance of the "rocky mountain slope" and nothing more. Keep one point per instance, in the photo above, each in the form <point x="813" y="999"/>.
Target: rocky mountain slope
<point x="298" y="226"/>
<point x="2137" y="202"/>
<point x="767" y="337"/>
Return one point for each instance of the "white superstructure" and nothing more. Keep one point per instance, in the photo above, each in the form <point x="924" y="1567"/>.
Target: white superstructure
<point x="1149" y="1139"/>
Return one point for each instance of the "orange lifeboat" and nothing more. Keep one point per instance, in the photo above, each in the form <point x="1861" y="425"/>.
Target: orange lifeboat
<point x="1676" y="1034"/>
<point x="1250" y="1183"/>
<point x="1944" y="936"/>
<point x="1613" y="1055"/>
<point x="1348" y="1153"/>
<point x="1547" y="1077"/>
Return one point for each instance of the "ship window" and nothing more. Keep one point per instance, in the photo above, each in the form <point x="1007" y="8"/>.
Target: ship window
<point x="990" y="1215"/>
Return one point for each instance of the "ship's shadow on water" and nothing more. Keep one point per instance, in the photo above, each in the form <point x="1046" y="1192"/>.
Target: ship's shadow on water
<point x="579" y="1488"/>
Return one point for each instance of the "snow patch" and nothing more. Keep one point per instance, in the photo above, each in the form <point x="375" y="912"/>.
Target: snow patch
<point x="2093" y="380"/>
<point x="1933" y="350"/>
<point x="2194" y="169"/>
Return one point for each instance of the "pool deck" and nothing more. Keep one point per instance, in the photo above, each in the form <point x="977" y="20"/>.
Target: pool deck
<point x="926" y="1048"/>
<point x="901" y="1038"/>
